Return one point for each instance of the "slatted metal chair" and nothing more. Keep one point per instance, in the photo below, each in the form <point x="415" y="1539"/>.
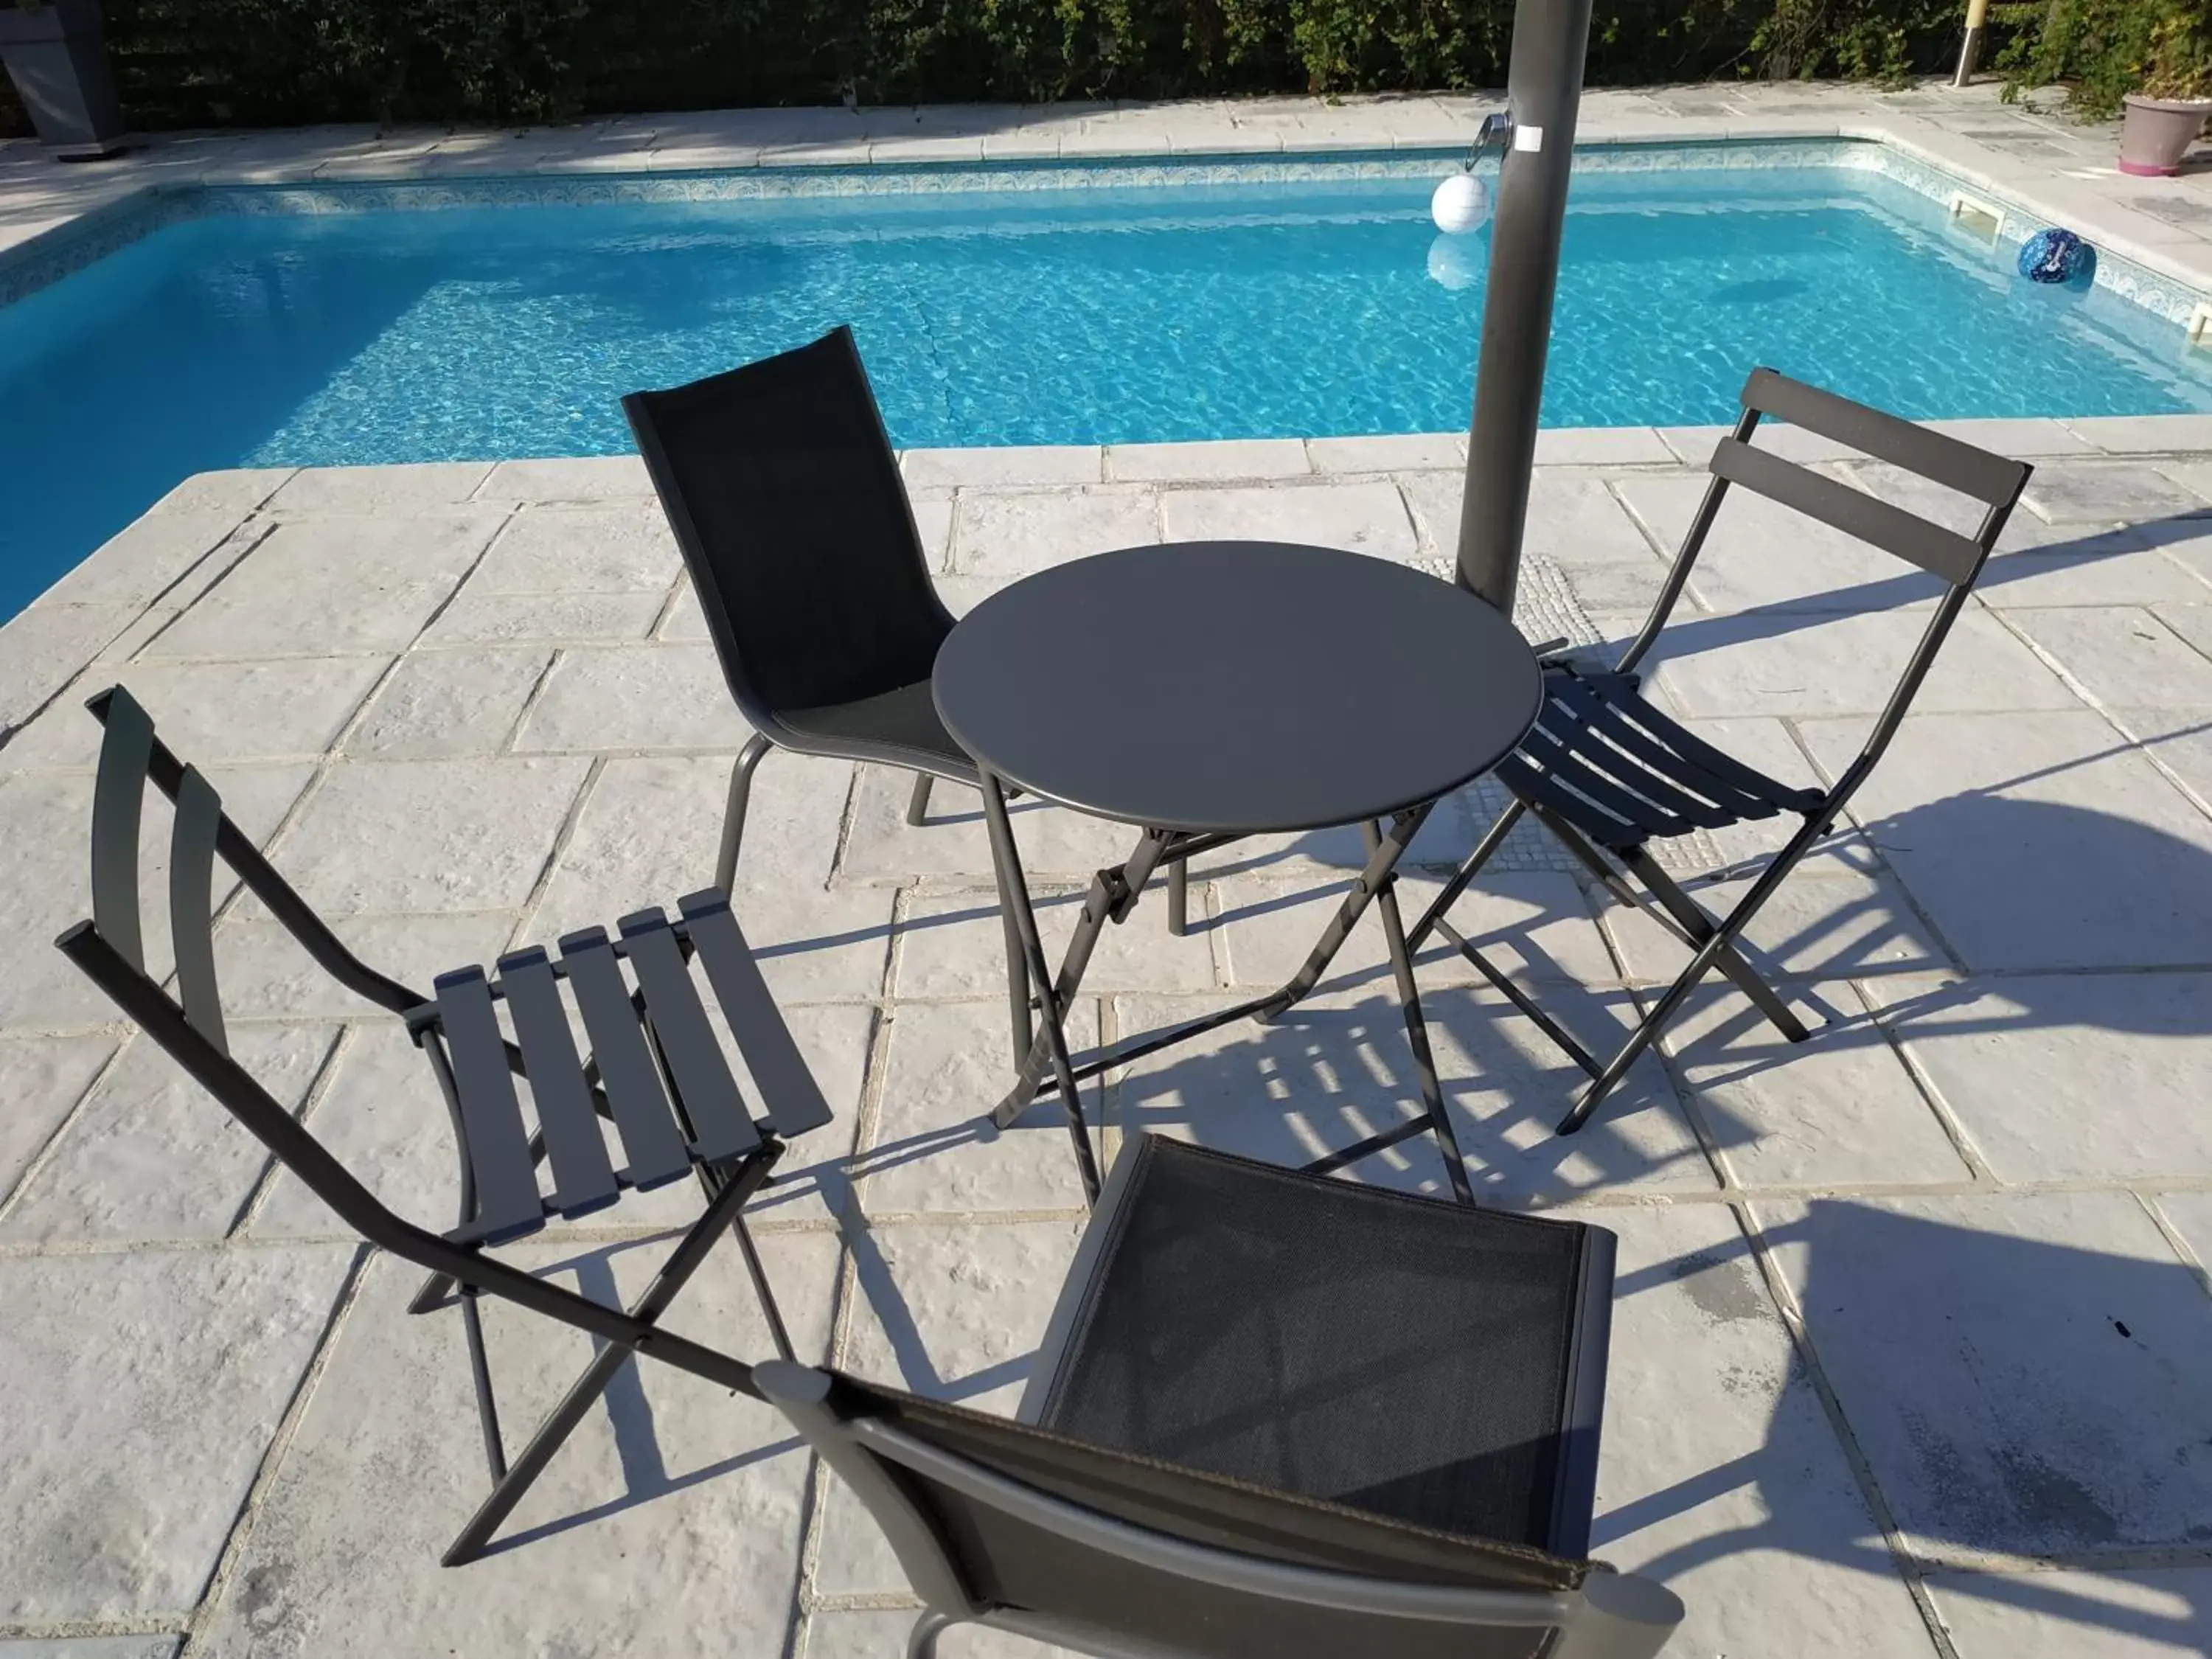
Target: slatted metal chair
<point x="656" y="1074"/>
<point x="1609" y="772"/>
<point x="1273" y="1416"/>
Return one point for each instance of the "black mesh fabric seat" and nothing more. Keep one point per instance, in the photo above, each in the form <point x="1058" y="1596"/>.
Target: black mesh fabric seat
<point x="1274" y="1415"/>
<point x="784" y="493"/>
<point x="1602" y="758"/>
<point x="1608" y="772"/>
<point x="1285" y="1329"/>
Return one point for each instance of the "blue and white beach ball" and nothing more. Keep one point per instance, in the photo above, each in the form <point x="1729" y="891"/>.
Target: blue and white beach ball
<point x="2059" y="258"/>
<point x="1461" y="205"/>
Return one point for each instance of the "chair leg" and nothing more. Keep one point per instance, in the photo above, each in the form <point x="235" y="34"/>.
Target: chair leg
<point x="516" y="1479"/>
<point x="734" y="815"/>
<point x="1179" y="897"/>
<point x="1712" y="952"/>
<point x="1700" y="926"/>
<point x="1019" y="999"/>
<point x="917" y="803"/>
<point x="480" y="1378"/>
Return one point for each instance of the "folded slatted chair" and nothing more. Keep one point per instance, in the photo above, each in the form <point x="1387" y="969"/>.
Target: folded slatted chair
<point x="656" y="1073"/>
<point x="1273" y="1416"/>
<point x="1609" y="772"/>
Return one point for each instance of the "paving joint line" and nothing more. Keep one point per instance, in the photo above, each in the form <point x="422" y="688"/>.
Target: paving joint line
<point x="272" y="1457"/>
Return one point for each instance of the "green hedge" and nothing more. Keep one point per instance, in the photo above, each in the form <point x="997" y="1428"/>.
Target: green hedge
<point x="196" y="63"/>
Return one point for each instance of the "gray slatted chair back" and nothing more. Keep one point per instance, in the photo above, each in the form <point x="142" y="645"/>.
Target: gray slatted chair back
<point x="1064" y="1541"/>
<point x="664" y="1132"/>
<point x="1955" y="559"/>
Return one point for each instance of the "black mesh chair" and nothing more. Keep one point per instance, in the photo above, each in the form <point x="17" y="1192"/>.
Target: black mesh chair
<point x="784" y="493"/>
<point x="1274" y="1415"/>
<point x="1608" y="773"/>
<point x="657" y="1076"/>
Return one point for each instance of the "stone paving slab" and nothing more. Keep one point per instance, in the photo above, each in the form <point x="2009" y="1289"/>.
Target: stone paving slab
<point x="140" y="1392"/>
<point x="2051" y="1615"/>
<point x="1838" y="1110"/>
<point x="678" y="1504"/>
<point x="2018" y="1371"/>
<point x="1718" y="1472"/>
<point x="2063" y="1076"/>
<point x="2036" y="842"/>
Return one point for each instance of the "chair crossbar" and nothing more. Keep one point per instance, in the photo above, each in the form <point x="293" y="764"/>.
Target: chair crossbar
<point x="1993" y="479"/>
<point x="1939" y="551"/>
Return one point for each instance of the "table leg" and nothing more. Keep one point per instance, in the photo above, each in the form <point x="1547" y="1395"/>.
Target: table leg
<point x="1375" y="877"/>
<point x="1416" y="1028"/>
<point x="1113" y="895"/>
<point x="1051" y="997"/>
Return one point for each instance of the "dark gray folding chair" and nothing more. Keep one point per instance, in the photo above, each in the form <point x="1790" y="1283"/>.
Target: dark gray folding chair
<point x="1274" y="1415"/>
<point x="657" y="1075"/>
<point x="784" y="493"/>
<point x="1608" y="773"/>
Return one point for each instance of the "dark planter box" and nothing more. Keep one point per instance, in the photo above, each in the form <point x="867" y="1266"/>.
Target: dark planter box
<point x="56" y="55"/>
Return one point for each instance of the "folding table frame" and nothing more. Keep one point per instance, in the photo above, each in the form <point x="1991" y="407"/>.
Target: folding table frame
<point x="1039" y="1007"/>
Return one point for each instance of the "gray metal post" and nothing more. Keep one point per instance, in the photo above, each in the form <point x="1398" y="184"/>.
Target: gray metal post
<point x="1543" y="86"/>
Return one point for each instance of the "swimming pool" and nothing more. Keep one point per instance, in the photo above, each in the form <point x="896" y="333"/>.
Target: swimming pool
<point x="1323" y="306"/>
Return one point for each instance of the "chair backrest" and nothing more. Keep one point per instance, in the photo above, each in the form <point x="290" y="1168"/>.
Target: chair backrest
<point x="663" y="1131"/>
<point x="1111" y="1553"/>
<point x="783" y="492"/>
<point x="1955" y="559"/>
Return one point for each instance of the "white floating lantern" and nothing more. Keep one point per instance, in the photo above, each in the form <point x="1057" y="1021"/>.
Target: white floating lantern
<point x="1461" y="205"/>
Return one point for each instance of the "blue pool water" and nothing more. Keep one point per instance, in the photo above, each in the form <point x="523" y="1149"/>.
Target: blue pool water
<point x="1084" y="316"/>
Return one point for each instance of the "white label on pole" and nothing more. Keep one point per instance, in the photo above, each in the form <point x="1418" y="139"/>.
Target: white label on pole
<point x="1531" y="138"/>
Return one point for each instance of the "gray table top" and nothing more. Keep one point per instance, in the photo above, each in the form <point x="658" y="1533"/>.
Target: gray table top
<point x="1236" y="686"/>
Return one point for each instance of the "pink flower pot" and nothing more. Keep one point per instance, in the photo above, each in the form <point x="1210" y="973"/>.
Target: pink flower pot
<point x="2158" y="132"/>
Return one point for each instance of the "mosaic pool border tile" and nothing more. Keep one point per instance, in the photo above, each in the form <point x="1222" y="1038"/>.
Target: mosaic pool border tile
<point x="46" y="259"/>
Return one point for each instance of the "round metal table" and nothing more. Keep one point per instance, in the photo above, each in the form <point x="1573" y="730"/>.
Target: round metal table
<point x="1204" y="691"/>
<point x="1236" y="687"/>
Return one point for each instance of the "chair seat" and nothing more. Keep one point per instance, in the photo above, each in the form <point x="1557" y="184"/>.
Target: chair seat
<point x="658" y="1073"/>
<point x="1413" y="1359"/>
<point x="1610" y="764"/>
<point x="897" y="728"/>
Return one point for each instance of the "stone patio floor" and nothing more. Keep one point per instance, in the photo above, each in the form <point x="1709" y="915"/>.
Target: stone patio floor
<point x="1912" y="1327"/>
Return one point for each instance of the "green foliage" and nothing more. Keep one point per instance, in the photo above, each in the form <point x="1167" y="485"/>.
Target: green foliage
<point x="1858" y="40"/>
<point x="2103" y="50"/>
<point x="196" y="63"/>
